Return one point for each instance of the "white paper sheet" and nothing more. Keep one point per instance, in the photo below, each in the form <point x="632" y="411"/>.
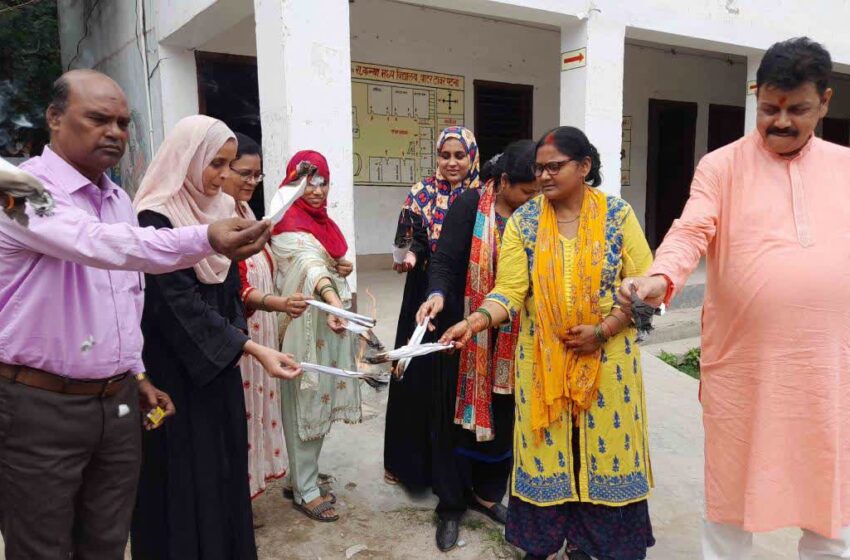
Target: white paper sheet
<point x="16" y="182"/>
<point x="327" y="370"/>
<point x="399" y="253"/>
<point x="283" y="199"/>
<point x="414" y="351"/>
<point x="415" y="339"/>
<point x="361" y="320"/>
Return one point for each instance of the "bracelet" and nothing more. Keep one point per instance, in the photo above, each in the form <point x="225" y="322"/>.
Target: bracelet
<point x="600" y="336"/>
<point x="263" y="302"/>
<point x="140" y="377"/>
<point x="324" y="289"/>
<point x="486" y="314"/>
<point x="606" y="330"/>
<point x="616" y="318"/>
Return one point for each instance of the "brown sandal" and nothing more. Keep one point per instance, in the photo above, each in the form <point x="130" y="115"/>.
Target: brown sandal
<point x="390" y="478"/>
<point x="316" y="512"/>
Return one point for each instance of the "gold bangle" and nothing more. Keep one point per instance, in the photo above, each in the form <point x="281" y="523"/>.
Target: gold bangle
<point x="263" y="302"/>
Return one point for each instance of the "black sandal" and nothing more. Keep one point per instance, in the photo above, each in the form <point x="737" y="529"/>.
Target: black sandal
<point x="316" y="512"/>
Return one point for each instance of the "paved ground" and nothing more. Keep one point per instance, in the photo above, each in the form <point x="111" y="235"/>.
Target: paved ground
<point x="394" y="525"/>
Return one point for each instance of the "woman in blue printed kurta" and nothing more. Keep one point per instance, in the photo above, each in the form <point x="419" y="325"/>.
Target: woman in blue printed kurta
<point x="586" y="476"/>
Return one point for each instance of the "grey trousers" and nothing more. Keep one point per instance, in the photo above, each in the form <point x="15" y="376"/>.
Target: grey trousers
<point x="69" y="467"/>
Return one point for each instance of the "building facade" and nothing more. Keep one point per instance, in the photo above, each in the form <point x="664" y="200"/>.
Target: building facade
<point x="655" y="84"/>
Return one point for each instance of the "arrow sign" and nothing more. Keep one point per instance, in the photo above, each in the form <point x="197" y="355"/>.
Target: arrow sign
<point x="574" y="59"/>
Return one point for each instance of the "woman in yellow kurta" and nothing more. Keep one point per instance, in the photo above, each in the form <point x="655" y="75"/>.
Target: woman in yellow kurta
<point x="581" y="454"/>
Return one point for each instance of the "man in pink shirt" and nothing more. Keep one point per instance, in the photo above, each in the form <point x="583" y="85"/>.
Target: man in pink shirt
<point x="771" y="213"/>
<point x="72" y="384"/>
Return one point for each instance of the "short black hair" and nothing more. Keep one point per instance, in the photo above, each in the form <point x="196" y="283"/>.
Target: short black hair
<point x="59" y="93"/>
<point x="574" y="144"/>
<point x="790" y="64"/>
<point x="247" y="146"/>
<point x="490" y="169"/>
<point x="517" y="161"/>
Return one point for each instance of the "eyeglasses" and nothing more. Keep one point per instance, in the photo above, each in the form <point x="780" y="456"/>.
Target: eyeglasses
<point x="551" y="167"/>
<point x="248" y="176"/>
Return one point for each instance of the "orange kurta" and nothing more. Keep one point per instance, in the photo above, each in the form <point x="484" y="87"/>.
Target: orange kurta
<point x="776" y="331"/>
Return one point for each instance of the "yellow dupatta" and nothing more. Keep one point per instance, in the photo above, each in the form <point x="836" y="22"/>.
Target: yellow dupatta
<point x="563" y="376"/>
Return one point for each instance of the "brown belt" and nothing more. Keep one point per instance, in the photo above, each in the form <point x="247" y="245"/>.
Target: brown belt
<point x="40" y="379"/>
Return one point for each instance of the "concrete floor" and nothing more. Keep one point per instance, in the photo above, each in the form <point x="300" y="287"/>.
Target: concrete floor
<point x="394" y="525"/>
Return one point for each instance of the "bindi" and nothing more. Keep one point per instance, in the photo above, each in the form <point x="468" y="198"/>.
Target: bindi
<point x="783" y="101"/>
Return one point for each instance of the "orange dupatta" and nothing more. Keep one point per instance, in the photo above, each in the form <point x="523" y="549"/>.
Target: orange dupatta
<point x="563" y="376"/>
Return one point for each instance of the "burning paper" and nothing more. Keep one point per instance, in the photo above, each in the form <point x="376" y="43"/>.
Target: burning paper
<point x="404" y="235"/>
<point x="415" y="340"/>
<point x="351" y="317"/>
<point x="408" y="352"/>
<point x="642" y="314"/>
<point x="284" y="198"/>
<point x="17" y="188"/>
<point x="374" y="379"/>
<point x="288" y="193"/>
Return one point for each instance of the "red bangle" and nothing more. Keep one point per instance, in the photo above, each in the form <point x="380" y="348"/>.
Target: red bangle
<point x="670" y="289"/>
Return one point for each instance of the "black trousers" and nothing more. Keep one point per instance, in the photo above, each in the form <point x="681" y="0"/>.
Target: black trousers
<point x="458" y="479"/>
<point x="69" y="466"/>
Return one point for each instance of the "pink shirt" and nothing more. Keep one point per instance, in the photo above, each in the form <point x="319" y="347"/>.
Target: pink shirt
<point x="775" y="386"/>
<point x="71" y="284"/>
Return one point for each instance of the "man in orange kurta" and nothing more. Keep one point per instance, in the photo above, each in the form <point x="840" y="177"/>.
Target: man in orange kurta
<point x="771" y="213"/>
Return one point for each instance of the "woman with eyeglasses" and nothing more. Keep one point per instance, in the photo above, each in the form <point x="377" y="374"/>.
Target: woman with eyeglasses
<point x="266" y="459"/>
<point x="310" y="249"/>
<point x="581" y="453"/>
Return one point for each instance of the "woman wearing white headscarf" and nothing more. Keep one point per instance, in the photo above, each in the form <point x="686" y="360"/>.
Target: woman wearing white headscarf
<point x="193" y="497"/>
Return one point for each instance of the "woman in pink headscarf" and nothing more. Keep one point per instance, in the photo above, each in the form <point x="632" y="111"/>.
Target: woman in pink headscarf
<point x="193" y="493"/>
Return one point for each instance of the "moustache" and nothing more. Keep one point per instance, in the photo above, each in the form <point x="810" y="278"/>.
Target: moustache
<point x="784" y="132"/>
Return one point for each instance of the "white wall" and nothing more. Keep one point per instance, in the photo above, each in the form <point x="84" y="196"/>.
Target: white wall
<point x="476" y="48"/>
<point x="650" y="73"/>
<point x="111" y="46"/>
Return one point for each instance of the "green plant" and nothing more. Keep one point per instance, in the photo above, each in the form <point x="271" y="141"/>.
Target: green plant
<point x="29" y="62"/>
<point x="687" y="363"/>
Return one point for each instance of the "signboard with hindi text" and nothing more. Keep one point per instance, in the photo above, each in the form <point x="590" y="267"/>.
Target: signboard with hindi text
<point x="397" y="115"/>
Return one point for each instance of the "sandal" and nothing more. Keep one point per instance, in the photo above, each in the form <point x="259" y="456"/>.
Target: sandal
<point x="316" y="512"/>
<point x="289" y="494"/>
<point x="390" y="478"/>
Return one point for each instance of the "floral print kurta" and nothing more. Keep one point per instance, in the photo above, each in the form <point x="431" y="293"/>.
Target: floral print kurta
<point x="614" y="448"/>
<point x="322" y="399"/>
<point x="266" y="456"/>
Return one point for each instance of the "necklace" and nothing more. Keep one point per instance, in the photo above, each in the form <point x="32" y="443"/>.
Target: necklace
<point x="569" y="221"/>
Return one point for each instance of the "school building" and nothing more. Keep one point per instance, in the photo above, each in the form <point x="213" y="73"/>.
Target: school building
<point x="655" y="84"/>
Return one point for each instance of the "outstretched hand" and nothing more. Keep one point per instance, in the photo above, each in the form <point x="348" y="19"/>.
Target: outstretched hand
<point x="238" y="238"/>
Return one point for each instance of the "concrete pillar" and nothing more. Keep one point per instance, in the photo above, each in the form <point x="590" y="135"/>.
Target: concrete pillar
<point x="592" y="95"/>
<point x="178" y="78"/>
<point x="304" y="75"/>
<point x="753" y="62"/>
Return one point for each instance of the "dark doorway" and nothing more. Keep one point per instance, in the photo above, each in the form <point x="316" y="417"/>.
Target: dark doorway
<point x="228" y="91"/>
<point x="669" y="165"/>
<point x="725" y="125"/>
<point x="836" y="130"/>
<point x="503" y="113"/>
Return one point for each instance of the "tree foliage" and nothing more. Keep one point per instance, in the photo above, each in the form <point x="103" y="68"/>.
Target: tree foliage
<point x="29" y="63"/>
